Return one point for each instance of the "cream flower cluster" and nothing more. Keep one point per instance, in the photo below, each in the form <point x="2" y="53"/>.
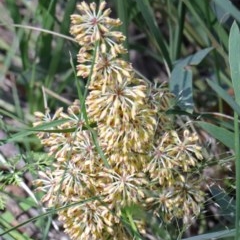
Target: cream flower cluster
<point x="150" y="162"/>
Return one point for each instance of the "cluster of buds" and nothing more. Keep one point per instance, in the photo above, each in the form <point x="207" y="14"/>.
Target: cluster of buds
<point x="150" y="163"/>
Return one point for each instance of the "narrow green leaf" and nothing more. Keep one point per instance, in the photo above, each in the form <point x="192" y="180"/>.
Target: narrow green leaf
<point x="214" y="235"/>
<point x="82" y="97"/>
<point x="49" y="212"/>
<point x="221" y="134"/>
<point x="6" y="219"/>
<point x="145" y="8"/>
<point x="46" y="10"/>
<point x="218" y="26"/>
<point x="58" y="50"/>
<point x="193" y="7"/>
<point x="26" y="132"/>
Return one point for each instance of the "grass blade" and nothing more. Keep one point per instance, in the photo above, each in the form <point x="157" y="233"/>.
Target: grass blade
<point x="27" y="132"/>
<point x="145" y="9"/>
<point x="45" y="40"/>
<point x="178" y="38"/>
<point x="57" y="53"/>
<point x="193" y="7"/>
<point x="214" y="235"/>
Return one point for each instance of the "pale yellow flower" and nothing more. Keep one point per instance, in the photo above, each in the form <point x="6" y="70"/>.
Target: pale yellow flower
<point x="105" y="66"/>
<point x="181" y="200"/>
<point x="187" y="199"/>
<point x="132" y="161"/>
<point x="60" y="145"/>
<point x="172" y="155"/>
<point x="46" y="117"/>
<point x="95" y="25"/>
<point x="75" y="120"/>
<point x="150" y="163"/>
<point x="135" y="135"/>
<point x="161" y="202"/>
<point x="89" y="220"/>
<point x="117" y="103"/>
<point x="121" y="188"/>
<point x="186" y="149"/>
<point x="73" y="179"/>
<point x="85" y="154"/>
<point x="48" y="184"/>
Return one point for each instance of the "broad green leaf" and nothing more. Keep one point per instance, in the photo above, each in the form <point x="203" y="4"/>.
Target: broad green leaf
<point x="234" y="59"/>
<point x="181" y="79"/>
<point x="229" y="8"/>
<point x="227" y="203"/>
<point x="194" y="59"/>
<point x="181" y="86"/>
<point x="221" y="14"/>
<point x="221" y="134"/>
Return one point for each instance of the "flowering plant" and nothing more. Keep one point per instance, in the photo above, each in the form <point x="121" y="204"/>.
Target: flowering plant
<point x="149" y="161"/>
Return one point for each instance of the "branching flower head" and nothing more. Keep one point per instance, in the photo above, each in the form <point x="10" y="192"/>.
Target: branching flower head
<point x="149" y="161"/>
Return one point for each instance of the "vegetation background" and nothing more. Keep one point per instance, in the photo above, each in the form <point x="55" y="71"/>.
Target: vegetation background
<point x="188" y="43"/>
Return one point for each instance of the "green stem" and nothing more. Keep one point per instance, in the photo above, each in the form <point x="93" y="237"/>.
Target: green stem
<point x="179" y="33"/>
<point x="133" y="225"/>
<point x="122" y="8"/>
<point x="82" y="98"/>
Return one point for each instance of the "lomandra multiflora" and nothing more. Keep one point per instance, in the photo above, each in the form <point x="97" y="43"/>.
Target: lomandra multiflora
<point x="148" y="161"/>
